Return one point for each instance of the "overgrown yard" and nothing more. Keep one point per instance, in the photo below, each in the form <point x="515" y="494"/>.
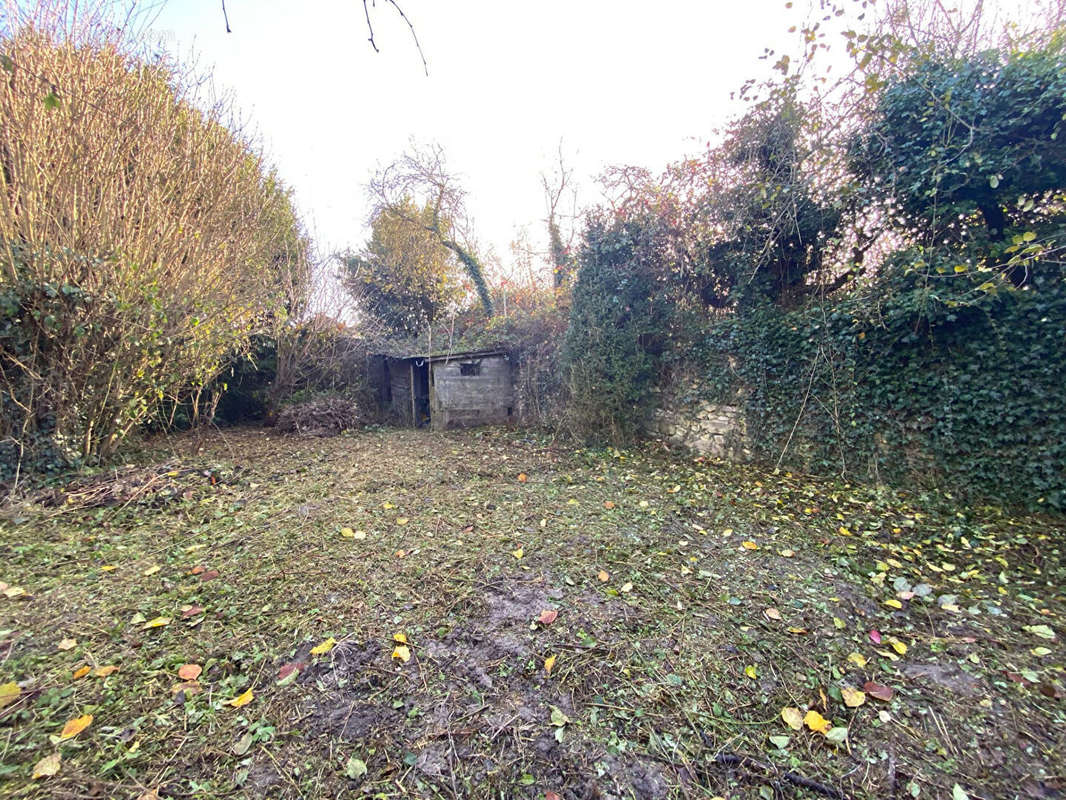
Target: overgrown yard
<point x="694" y="602"/>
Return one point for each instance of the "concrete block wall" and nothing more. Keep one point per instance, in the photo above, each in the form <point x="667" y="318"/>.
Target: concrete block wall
<point x="458" y="400"/>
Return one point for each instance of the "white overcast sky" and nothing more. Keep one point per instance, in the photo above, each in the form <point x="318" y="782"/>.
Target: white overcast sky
<point x="618" y="82"/>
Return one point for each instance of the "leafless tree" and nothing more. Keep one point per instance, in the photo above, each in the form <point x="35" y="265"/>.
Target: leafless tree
<point x="422" y="174"/>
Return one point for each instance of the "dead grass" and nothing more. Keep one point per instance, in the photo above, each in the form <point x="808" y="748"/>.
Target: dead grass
<point x="669" y="676"/>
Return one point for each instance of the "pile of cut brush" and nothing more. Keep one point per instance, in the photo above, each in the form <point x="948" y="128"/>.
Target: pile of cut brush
<point x="324" y="416"/>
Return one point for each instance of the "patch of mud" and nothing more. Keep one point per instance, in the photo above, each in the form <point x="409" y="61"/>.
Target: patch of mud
<point x="947" y="676"/>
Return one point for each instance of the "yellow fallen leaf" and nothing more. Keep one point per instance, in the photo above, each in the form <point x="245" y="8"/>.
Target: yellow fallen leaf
<point x="400" y="637"/>
<point x="549" y="662"/>
<point x="12" y="592"/>
<point x="603" y="576"/>
<point x="47" y="766"/>
<point x="816" y="722"/>
<point x="897" y="645"/>
<point x="522" y="477"/>
<point x="797" y="630"/>
<point x="858" y="659"/>
<point x="750" y="671"/>
<point x="67" y="644"/>
<point x="108" y="568"/>
<point x="748" y="545"/>
<point x="387" y="505"/>
<point x="242" y="699"/>
<point x="152" y="570"/>
<point x="626" y="587"/>
<point x="402" y="520"/>
<point x="9" y="693"/>
<point x="158" y="622"/>
<point x="82" y="671"/>
<point x="793" y="717"/>
<point x="518" y="553"/>
<point x="324" y="647"/>
<point x="893" y="603"/>
<point x="347" y="533"/>
<point x="843" y="531"/>
<point x="103" y="672"/>
<point x="76" y="726"/>
<point x="402" y="652"/>
<point x="853" y="698"/>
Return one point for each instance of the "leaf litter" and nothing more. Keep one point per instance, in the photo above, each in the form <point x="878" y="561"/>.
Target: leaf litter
<point x="862" y="622"/>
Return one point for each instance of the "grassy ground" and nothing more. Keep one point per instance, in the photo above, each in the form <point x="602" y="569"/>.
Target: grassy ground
<point x="694" y="602"/>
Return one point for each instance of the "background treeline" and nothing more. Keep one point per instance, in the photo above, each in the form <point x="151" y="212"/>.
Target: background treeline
<point x="870" y="266"/>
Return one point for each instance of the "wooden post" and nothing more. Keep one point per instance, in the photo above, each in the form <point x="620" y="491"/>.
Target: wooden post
<point x="414" y="410"/>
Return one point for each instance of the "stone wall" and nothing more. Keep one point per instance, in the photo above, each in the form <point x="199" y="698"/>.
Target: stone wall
<point x="707" y="429"/>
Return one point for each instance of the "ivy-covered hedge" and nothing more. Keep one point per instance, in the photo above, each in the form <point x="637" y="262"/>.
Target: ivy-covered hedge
<point x="925" y="377"/>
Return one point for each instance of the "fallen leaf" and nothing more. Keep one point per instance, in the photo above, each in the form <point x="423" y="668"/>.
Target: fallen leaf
<point x="853" y="698"/>
<point x="210" y="575"/>
<point x="103" y="672"/>
<point x="603" y="576"/>
<point x="785" y="553"/>
<point x="897" y="645"/>
<point x="152" y="570"/>
<point x="289" y="672"/>
<point x="875" y="636"/>
<point x="750" y="671"/>
<point x="893" y="603"/>
<point x="190" y="688"/>
<point x="47" y="766"/>
<point x="877" y="690"/>
<point x="816" y="722"/>
<point x="108" y="568"/>
<point x="197" y="569"/>
<point x="190" y="672"/>
<point x="518" y="553"/>
<point x="355" y="769"/>
<point x="242" y="699"/>
<point x="402" y="652"/>
<point x="772" y="613"/>
<point x="158" y="622"/>
<point x="958" y="793"/>
<point x="76" y="726"/>
<point x="548" y="616"/>
<point x="522" y="477"/>
<point x="12" y="592"/>
<point x="797" y="630"/>
<point x="67" y="644"/>
<point x="324" y="647"/>
<point x="748" y="545"/>
<point x="551" y="796"/>
<point x="793" y="717"/>
<point x="549" y="662"/>
<point x="191" y="611"/>
<point x="608" y="504"/>
<point x="858" y="659"/>
<point x="836" y="735"/>
<point x="1043" y="631"/>
<point x="347" y="533"/>
<point x="79" y="673"/>
<point x="781" y="742"/>
<point x="402" y="520"/>
<point x="9" y="693"/>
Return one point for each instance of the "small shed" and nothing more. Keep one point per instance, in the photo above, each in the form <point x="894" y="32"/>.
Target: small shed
<point x="448" y="390"/>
